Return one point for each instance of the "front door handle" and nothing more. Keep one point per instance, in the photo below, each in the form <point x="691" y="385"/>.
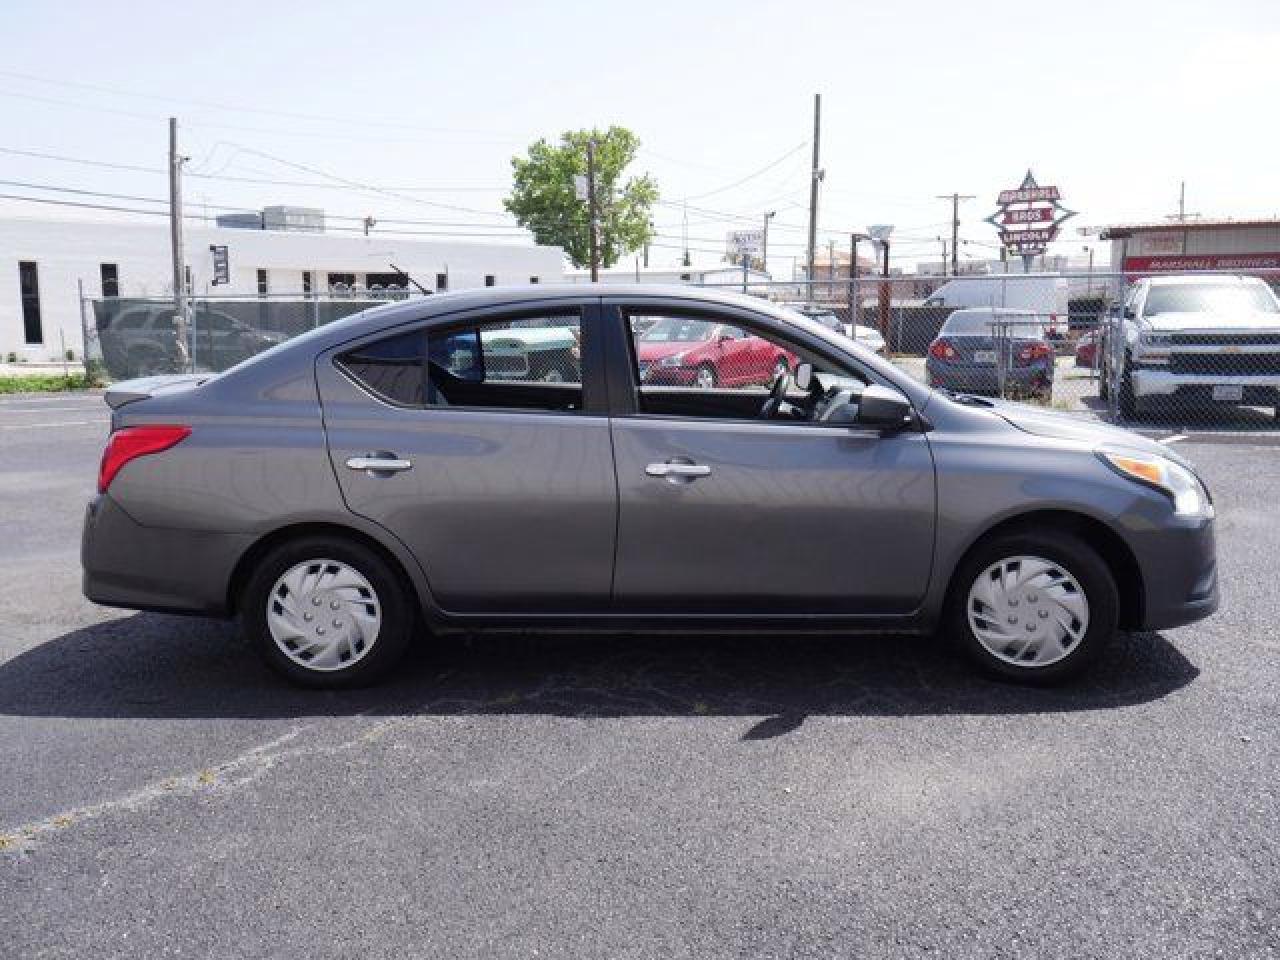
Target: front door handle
<point x="379" y="464"/>
<point x="676" y="472"/>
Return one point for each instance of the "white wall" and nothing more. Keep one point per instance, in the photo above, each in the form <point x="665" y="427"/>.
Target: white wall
<point x="67" y="251"/>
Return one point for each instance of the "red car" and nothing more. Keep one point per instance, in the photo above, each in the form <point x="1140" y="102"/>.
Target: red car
<point x="681" y="351"/>
<point x="1087" y="349"/>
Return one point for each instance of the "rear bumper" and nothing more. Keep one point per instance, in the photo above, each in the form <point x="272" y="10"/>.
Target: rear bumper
<point x="150" y="568"/>
<point x="983" y="379"/>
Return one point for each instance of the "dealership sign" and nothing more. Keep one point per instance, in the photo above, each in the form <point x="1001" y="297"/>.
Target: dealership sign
<point x="746" y="243"/>
<point x="1029" y="218"/>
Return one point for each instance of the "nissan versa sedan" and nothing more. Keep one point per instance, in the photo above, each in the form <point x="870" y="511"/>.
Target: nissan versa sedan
<point x="388" y="477"/>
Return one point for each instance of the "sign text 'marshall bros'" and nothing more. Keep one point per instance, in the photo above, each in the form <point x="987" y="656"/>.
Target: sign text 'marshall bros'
<point x="1029" y="218"/>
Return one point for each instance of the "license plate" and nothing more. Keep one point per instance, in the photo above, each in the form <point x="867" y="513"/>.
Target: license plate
<point x="984" y="356"/>
<point x="1228" y="392"/>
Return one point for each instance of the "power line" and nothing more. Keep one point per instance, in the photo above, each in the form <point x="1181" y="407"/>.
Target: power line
<point x="213" y="105"/>
<point x="751" y="176"/>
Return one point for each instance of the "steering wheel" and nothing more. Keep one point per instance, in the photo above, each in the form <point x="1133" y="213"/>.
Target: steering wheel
<point x="777" y="395"/>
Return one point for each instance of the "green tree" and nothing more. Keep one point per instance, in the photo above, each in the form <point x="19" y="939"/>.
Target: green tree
<point x="544" y="201"/>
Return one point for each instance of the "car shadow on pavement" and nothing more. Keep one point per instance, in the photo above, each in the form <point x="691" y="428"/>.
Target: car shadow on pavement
<point x="155" y="666"/>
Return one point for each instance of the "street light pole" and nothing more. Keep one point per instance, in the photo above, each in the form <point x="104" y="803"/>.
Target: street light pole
<point x="764" y="242"/>
<point x="593" y="211"/>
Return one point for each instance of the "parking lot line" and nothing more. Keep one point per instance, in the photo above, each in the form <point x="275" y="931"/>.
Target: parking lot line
<point x="54" y="423"/>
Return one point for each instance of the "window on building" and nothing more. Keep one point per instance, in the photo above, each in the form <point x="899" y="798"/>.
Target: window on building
<point x="490" y="279"/>
<point x="533" y="279"/>
<point x="262" y="281"/>
<point x="306" y="281"/>
<point x="29" y="288"/>
<point x="442" y="282"/>
<point x="110" y="279"/>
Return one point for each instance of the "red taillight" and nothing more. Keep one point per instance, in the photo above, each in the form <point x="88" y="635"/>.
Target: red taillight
<point x="133" y="442"/>
<point x="942" y="349"/>
<point x="1035" y="351"/>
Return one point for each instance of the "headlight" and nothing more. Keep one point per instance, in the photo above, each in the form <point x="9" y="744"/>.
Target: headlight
<point x="1189" y="496"/>
<point x="676" y="360"/>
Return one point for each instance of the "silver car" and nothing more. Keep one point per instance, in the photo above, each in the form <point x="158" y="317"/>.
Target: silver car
<point x="398" y="475"/>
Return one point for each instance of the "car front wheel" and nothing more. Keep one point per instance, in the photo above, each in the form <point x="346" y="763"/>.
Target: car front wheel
<point x="327" y="612"/>
<point x="1033" y="607"/>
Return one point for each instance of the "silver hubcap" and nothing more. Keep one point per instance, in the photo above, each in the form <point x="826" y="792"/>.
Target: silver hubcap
<point x="323" y="615"/>
<point x="1028" y="611"/>
<point x="706" y="379"/>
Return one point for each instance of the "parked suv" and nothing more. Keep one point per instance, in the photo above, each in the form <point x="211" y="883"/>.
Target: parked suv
<point x="1201" y="340"/>
<point x="142" y="340"/>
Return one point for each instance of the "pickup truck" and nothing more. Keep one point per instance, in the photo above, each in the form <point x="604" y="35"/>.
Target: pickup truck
<point x="1198" y="340"/>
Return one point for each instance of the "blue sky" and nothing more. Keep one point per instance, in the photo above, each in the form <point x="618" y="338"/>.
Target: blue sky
<point x="1114" y="102"/>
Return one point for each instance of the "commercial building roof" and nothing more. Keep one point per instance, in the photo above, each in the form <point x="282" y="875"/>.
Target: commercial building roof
<point x="1118" y="231"/>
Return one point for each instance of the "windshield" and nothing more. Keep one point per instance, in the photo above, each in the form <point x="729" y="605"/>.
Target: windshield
<point x="1209" y="298"/>
<point x="677" y="330"/>
<point x="964" y="321"/>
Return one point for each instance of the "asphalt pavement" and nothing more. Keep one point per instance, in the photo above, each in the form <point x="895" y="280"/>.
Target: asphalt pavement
<point x="615" y="797"/>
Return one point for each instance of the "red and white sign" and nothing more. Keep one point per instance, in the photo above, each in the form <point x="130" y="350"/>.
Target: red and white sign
<point x="1029" y="217"/>
<point x="1178" y="262"/>
<point x="1032" y="215"/>
<point x="1028" y="194"/>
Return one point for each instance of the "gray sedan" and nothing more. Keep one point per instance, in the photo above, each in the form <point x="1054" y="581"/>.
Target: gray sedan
<point x="415" y="470"/>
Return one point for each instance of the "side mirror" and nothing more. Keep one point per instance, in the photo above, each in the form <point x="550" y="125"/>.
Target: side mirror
<point x="803" y="377"/>
<point x="882" y="407"/>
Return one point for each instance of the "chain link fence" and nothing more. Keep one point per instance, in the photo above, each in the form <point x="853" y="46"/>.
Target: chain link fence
<point x="1194" y="349"/>
<point x="137" y="336"/>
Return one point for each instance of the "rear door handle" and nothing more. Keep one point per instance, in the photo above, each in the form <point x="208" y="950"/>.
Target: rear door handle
<point x="676" y="472"/>
<point x="379" y="464"/>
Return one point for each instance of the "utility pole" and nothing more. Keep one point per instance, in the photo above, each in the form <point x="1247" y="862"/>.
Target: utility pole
<point x="815" y="178"/>
<point x="175" y="243"/>
<point x="943" y="241"/>
<point x="593" y="211"/>
<point x="955" y="199"/>
<point x="764" y="241"/>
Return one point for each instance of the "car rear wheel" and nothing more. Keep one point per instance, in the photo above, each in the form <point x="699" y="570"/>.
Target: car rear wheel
<point x="1033" y="607"/>
<point x="706" y="377"/>
<point x="327" y="612"/>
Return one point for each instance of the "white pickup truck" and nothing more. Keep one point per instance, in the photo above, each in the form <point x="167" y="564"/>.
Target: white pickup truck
<point x="1201" y="340"/>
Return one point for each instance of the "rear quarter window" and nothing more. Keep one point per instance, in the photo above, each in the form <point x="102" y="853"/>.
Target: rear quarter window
<point x="393" y="369"/>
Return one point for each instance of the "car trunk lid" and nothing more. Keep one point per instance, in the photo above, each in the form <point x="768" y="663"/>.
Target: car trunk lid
<point x="130" y="391"/>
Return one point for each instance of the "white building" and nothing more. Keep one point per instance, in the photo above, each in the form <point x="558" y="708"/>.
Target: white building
<point x="719" y="275"/>
<point x="42" y="262"/>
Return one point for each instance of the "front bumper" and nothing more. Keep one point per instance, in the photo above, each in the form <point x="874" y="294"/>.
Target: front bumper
<point x="151" y="568"/>
<point x="1161" y="383"/>
<point x="1179" y="572"/>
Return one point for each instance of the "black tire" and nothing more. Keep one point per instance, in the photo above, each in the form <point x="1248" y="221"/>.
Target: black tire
<point x="1127" y="402"/>
<point x="391" y="594"/>
<point x="1078" y="559"/>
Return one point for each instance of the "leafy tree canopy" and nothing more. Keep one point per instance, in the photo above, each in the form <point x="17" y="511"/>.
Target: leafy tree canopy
<point x="544" y="201"/>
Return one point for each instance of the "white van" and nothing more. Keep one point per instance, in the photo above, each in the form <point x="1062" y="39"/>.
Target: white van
<point x="1044" y="295"/>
